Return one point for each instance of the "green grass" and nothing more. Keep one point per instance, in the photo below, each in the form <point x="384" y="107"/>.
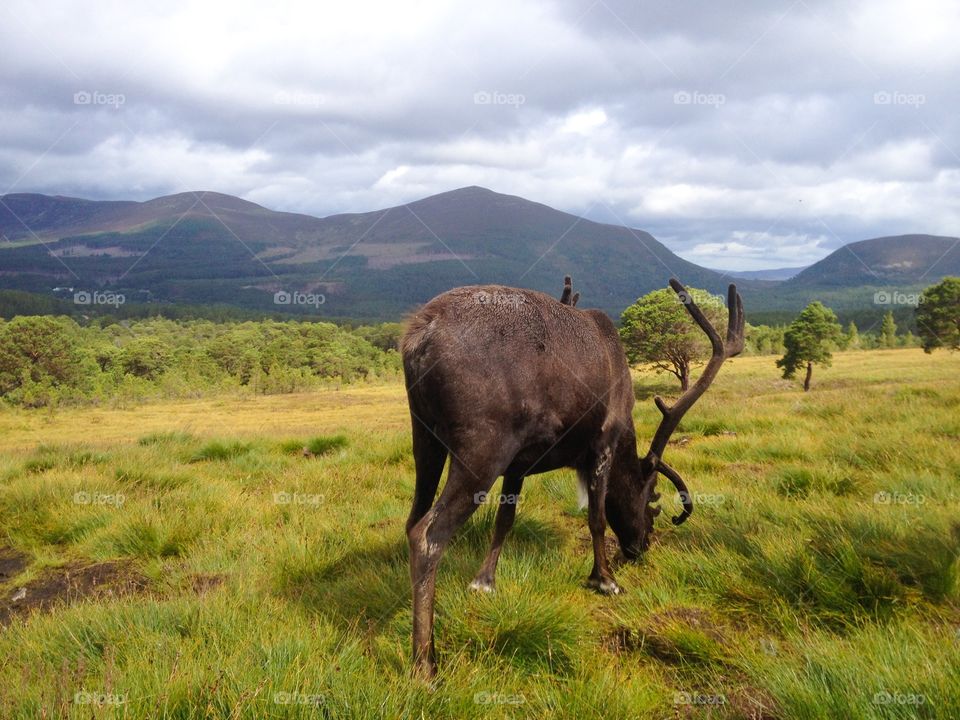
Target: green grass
<point x="817" y="578"/>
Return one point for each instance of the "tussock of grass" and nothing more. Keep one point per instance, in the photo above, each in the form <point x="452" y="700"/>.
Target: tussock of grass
<point x="323" y="444"/>
<point x="219" y="450"/>
<point x="171" y="437"/>
<point x="140" y="477"/>
<point x="530" y="630"/>
<point x="145" y="536"/>
<point x="319" y="445"/>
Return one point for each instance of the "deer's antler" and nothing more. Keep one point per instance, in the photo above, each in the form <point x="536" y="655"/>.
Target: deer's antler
<point x="672" y="414"/>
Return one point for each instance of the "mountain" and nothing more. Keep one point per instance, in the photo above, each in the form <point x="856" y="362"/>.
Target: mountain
<point x="771" y="274"/>
<point x="884" y="261"/>
<point x="206" y="247"/>
<point x="210" y="248"/>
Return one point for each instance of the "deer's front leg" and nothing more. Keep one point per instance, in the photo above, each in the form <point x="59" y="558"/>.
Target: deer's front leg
<point x="597" y="473"/>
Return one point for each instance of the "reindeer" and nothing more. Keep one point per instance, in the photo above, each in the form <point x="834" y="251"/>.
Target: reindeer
<point x="515" y="383"/>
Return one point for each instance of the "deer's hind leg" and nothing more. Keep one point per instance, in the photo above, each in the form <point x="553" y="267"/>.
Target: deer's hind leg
<point x="485" y="581"/>
<point x="429" y="456"/>
<point x="428" y="538"/>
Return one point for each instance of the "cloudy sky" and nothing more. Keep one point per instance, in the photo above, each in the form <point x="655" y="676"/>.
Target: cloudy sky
<point x="744" y="134"/>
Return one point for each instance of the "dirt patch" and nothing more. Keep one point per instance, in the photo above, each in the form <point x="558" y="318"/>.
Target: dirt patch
<point x="752" y="704"/>
<point x="70" y="584"/>
<point x="585" y="545"/>
<point x="12" y="563"/>
<point x="736" y="701"/>
<point x="202" y="583"/>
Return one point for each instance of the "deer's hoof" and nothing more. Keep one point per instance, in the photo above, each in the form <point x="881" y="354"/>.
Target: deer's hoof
<point x="484" y="586"/>
<point x="605" y="587"/>
<point x="425" y="672"/>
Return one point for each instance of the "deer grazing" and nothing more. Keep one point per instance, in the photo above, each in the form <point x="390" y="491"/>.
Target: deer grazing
<point x="514" y="382"/>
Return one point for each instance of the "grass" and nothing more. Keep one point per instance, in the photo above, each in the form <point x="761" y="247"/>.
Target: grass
<point x="817" y="578"/>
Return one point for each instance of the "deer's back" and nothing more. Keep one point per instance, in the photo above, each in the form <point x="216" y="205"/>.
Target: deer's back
<point x="514" y="357"/>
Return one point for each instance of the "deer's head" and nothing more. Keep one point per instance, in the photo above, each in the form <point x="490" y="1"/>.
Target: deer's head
<point x="632" y="492"/>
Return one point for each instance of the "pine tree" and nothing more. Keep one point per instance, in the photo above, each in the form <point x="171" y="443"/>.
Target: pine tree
<point x="808" y="341"/>
<point x="888" y="331"/>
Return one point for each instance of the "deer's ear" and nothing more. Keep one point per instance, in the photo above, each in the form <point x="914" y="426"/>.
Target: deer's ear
<point x="568" y="297"/>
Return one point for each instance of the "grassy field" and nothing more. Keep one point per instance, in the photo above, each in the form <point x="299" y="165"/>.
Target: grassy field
<point x="187" y="560"/>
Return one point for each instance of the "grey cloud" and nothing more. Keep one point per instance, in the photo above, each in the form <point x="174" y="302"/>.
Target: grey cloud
<point x="785" y="126"/>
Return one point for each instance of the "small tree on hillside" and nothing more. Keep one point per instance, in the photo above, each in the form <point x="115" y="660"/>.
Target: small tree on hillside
<point x="852" y="340"/>
<point x="938" y="315"/>
<point x="808" y="340"/>
<point x="657" y="329"/>
<point x="888" y="331"/>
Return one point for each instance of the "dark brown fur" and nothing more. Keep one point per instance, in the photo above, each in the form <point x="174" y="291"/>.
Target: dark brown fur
<point x="510" y="382"/>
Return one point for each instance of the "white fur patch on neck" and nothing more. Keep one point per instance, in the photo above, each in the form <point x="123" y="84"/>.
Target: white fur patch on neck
<point x="582" y="497"/>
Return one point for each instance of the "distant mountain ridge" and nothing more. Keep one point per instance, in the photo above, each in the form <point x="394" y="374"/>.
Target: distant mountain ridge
<point x="206" y="247"/>
<point x="776" y="274"/>
<point x="899" y="259"/>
